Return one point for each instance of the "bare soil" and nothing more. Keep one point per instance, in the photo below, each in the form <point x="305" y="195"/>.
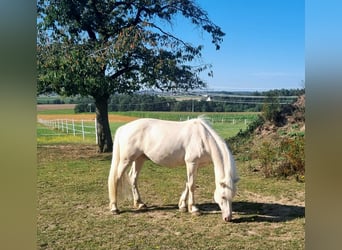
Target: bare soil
<point x="41" y="107"/>
<point x="76" y="117"/>
<point x="87" y="117"/>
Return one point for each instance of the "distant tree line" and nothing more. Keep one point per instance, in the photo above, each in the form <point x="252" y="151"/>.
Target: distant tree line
<point x="121" y="103"/>
<point x="146" y="102"/>
<point x="280" y="92"/>
<point x="273" y="92"/>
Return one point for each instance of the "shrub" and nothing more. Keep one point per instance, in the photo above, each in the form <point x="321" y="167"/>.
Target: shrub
<point x="271" y="108"/>
<point x="58" y="101"/>
<point x="294" y="156"/>
<point x="268" y="156"/>
<point x="283" y="160"/>
<point x="84" y="107"/>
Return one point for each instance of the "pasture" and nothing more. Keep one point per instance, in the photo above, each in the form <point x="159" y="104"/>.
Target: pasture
<point x="73" y="212"/>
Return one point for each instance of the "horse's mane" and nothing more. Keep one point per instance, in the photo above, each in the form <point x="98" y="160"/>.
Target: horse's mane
<point x="205" y="121"/>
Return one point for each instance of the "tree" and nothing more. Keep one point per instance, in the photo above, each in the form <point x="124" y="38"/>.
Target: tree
<point x="271" y="108"/>
<point x="97" y="48"/>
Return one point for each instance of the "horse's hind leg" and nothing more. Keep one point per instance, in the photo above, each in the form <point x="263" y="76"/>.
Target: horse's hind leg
<point x="133" y="175"/>
<point x="114" y="181"/>
<point x="182" y="201"/>
<point x="191" y="173"/>
<point x="112" y="189"/>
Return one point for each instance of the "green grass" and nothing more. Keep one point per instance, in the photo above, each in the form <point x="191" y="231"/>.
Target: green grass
<point x="227" y="124"/>
<point x="176" y="116"/>
<point x="47" y="135"/>
<point x="73" y="208"/>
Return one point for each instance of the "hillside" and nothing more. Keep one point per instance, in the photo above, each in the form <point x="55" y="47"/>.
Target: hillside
<point x="290" y="119"/>
<point x="275" y="147"/>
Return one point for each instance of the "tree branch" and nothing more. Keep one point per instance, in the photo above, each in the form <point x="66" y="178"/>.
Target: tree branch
<point x="123" y="71"/>
<point x="168" y="34"/>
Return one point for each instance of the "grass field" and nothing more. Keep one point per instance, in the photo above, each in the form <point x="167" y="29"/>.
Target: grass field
<point x="73" y="208"/>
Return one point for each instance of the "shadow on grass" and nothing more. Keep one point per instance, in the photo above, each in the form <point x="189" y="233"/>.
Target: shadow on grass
<point x="244" y="211"/>
<point x="169" y="207"/>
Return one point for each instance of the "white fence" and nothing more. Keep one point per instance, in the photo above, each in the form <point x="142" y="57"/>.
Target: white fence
<point x="88" y="128"/>
<point x="72" y="127"/>
<point x="221" y="120"/>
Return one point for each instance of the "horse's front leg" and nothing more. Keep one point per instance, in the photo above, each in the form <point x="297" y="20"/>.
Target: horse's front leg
<point x="133" y="175"/>
<point x="192" y="173"/>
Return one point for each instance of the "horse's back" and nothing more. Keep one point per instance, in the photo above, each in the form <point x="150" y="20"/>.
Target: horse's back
<point x="164" y="142"/>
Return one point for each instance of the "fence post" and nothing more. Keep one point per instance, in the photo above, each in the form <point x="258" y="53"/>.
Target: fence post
<point x="82" y="130"/>
<point x="97" y="139"/>
<point x="73" y="126"/>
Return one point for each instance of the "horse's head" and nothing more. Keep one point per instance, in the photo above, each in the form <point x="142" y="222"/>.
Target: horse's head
<point x="223" y="196"/>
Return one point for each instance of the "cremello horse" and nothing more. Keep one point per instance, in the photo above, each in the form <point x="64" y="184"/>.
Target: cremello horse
<point x="168" y="143"/>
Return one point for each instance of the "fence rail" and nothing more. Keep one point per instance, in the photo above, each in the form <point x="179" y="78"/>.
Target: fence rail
<point x="221" y="120"/>
<point x="73" y="127"/>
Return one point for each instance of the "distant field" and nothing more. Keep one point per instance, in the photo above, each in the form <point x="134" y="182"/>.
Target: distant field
<point x="226" y="124"/>
<point x="216" y="116"/>
<point x="41" y="107"/>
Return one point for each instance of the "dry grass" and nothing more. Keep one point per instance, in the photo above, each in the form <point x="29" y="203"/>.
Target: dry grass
<point x="73" y="208"/>
<point x="41" y="107"/>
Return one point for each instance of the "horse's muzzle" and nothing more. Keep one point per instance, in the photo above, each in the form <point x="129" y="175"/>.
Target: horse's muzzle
<point x="228" y="218"/>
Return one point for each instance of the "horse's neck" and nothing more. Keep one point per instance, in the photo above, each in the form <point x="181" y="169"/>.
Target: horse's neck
<point x="221" y="157"/>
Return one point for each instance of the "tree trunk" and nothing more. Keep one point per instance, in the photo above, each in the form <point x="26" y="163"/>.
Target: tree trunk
<point x="104" y="135"/>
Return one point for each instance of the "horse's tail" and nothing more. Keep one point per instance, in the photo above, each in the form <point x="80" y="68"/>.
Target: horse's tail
<point x="113" y="173"/>
<point x="117" y="187"/>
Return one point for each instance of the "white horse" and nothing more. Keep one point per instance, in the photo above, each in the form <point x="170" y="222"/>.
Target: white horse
<point x="168" y="143"/>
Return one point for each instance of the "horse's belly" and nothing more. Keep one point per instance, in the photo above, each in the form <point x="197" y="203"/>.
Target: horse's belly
<point x="167" y="161"/>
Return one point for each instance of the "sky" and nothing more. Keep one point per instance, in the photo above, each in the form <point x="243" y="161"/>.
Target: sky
<point x="263" y="47"/>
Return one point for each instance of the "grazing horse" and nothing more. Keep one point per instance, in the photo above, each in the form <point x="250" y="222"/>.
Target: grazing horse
<point x="168" y="143"/>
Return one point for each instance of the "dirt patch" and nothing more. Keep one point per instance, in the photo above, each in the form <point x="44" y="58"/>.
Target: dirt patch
<point x="85" y="117"/>
<point x="254" y="197"/>
<point x="70" y="152"/>
<point x="76" y="117"/>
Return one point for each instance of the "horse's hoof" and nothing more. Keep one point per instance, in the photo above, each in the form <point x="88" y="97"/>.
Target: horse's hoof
<point x="115" y="212"/>
<point x="141" y="206"/>
<point x="196" y="213"/>
<point x="183" y="209"/>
